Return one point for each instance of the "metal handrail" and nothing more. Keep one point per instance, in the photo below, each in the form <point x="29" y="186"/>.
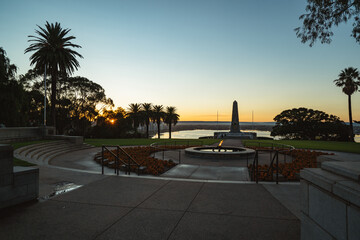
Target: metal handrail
<point x="162" y="146"/>
<point x="118" y="159"/>
<point x="255" y="166"/>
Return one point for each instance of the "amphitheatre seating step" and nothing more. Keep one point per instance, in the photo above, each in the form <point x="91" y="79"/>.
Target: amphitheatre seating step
<point x="24" y="149"/>
<point x="42" y="153"/>
<point x="51" y="149"/>
<point x="36" y="149"/>
<point x="49" y="157"/>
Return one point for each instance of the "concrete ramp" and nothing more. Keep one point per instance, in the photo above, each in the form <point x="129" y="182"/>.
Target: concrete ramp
<point x="208" y="172"/>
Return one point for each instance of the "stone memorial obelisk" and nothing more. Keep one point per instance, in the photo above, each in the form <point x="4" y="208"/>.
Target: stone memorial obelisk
<point x="235" y="128"/>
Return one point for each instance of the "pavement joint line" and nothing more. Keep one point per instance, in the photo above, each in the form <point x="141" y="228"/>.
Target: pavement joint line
<point x="280" y="201"/>
<point x="198" y="166"/>
<point x="186" y="210"/>
<point x="244" y="216"/>
<point x="92" y="204"/>
<point x="133" y="208"/>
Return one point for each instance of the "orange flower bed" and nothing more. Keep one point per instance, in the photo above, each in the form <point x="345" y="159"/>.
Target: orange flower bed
<point x="290" y="171"/>
<point x="142" y="156"/>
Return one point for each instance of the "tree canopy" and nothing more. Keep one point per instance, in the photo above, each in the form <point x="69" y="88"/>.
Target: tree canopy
<point x="322" y="15"/>
<point x="53" y="50"/>
<point x="309" y="124"/>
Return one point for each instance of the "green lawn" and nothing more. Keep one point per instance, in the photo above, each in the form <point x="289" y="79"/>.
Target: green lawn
<point x="318" y="145"/>
<point x="143" y="141"/>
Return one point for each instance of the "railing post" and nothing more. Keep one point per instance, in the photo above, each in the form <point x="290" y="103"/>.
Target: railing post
<point x="117" y="160"/>
<point x="277" y="167"/>
<point x="257" y="168"/>
<point x="102" y="160"/>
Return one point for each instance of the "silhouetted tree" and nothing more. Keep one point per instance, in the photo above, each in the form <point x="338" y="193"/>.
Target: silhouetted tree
<point x="322" y="15"/>
<point x="7" y="70"/>
<point x="158" y="116"/>
<point x="13" y="98"/>
<point x="52" y="47"/>
<point x="134" y="112"/>
<point x="147" y="112"/>
<point x="349" y="81"/>
<point x="171" y="117"/>
<point x="309" y="124"/>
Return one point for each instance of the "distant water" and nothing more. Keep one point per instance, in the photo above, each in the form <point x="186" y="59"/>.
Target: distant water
<point x="195" y="134"/>
<point x="224" y="123"/>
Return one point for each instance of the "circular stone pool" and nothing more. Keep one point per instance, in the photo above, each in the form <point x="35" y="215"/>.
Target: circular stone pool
<point x="220" y="153"/>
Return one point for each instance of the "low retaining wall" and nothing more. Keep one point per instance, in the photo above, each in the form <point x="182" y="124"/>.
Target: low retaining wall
<point x="17" y="184"/>
<point x="24" y="133"/>
<point x="330" y="201"/>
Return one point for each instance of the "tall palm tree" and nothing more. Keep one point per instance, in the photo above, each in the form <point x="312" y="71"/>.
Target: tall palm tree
<point x="171" y="117"/>
<point x="147" y="111"/>
<point x="158" y="116"/>
<point x="134" y="112"/>
<point x="52" y="48"/>
<point x="349" y="80"/>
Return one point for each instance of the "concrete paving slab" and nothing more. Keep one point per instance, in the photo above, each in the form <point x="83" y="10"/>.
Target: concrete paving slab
<point x="181" y="171"/>
<point x="288" y="195"/>
<point x="239" y="200"/>
<point x="58" y="220"/>
<point x="221" y="173"/>
<point x="49" y="177"/>
<point x="115" y="191"/>
<point x="174" y="196"/>
<point x="208" y="172"/>
<point x="214" y="226"/>
<point x="143" y="224"/>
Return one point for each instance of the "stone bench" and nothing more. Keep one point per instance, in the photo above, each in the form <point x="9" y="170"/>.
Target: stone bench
<point x="17" y="184"/>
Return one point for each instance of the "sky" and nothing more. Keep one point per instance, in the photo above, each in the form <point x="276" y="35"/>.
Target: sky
<point x="196" y="55"/>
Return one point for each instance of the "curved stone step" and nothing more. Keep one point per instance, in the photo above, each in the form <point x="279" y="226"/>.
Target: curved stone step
<point x="43" y="151"/>
<point x="35" y="148"/>
<point x="52" y="154"/>
<point x="28" y="147"/>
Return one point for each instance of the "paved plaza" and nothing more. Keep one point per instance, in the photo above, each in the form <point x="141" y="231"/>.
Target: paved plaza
<point x="148" y="207"/>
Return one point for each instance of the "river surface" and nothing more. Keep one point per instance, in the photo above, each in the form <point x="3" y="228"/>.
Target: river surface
<point x="195" y="134"/>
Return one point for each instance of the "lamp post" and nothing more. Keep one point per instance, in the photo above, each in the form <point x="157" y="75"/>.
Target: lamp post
<point x="45" y="97"/>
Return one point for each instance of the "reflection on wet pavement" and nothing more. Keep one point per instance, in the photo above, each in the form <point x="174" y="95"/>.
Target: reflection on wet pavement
<point x="60" y="188"/>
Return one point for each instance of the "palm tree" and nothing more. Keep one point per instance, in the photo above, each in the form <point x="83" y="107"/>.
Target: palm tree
<point x="134" y="112"/>
<point x="158" y="116"/>
<point x="171" y="117"/>
<point x="349" y="80"/>
<point x="147" y="115"/>
<point x="52" y="49"/>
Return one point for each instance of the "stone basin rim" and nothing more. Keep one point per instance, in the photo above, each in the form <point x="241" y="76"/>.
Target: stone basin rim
<point x="243" y="152"/>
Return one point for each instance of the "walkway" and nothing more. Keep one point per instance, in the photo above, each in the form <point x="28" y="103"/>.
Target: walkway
<point x="135" y="208"/>
<point x="132" y="207"/>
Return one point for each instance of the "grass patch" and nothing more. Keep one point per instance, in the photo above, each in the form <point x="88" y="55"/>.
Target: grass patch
<point x="143" y="141"/>
<point x="350" y="147"/>
<point x="22" y="163"/>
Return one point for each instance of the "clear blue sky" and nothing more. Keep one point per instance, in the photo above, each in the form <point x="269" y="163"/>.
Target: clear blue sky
<point x="196" y="55"/>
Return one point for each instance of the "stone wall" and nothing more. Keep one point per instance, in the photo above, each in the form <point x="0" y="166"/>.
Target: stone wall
<point x="24" y="133"/>
<point x="17" y="184"/>
<point x="330" y="201"/>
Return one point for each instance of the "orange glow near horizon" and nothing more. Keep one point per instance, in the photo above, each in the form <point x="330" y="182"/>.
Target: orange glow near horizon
<point x="225" y="118"/>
